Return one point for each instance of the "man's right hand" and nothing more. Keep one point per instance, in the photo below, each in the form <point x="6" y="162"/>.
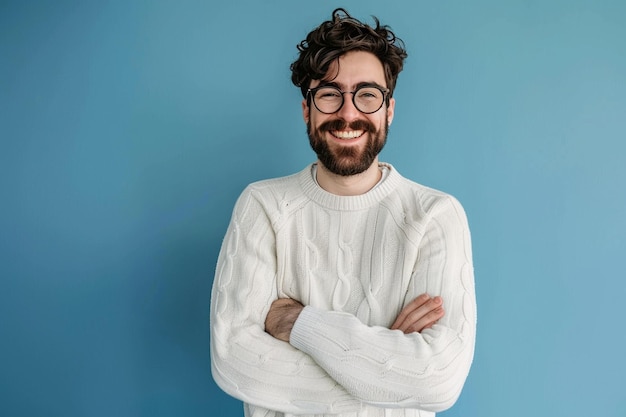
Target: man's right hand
<point x="419" y="314"/>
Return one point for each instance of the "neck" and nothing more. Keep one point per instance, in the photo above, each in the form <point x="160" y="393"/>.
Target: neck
<point x="348" y="185"/>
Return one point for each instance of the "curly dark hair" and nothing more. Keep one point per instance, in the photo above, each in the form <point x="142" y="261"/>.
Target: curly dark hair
<point x="342" y="34"/>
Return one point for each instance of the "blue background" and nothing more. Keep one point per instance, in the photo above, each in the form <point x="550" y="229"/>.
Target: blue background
<point x="128" y="129"/>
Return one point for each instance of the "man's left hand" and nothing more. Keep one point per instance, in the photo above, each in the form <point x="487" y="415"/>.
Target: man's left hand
<point x="281" y="318"/>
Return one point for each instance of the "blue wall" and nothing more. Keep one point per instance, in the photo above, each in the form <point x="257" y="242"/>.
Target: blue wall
<point x="128" y="129"/>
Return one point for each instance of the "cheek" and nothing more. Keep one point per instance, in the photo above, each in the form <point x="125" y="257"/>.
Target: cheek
<point x="316" y="119"/>
<point x="381" y="122"/>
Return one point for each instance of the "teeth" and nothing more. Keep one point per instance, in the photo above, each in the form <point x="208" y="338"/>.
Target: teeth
<point x="351" y="134"/>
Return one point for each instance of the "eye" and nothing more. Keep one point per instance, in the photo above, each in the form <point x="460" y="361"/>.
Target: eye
<point x="328" y="93"/>
<point x="368" y="94"/>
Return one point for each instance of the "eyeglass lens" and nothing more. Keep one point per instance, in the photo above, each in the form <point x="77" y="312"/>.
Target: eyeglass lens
<point x="366" y="99"/>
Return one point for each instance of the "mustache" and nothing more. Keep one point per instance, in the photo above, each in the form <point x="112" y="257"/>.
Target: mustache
<point x="340" y="124"/>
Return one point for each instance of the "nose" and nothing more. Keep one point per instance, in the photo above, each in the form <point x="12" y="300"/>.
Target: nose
<point x="348" y="111"/>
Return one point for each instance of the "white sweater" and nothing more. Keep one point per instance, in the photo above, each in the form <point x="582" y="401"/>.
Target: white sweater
<point x="354" y="262"/>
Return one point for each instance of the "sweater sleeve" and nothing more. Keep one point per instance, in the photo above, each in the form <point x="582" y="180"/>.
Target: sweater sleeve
<point x="388" y="368"/>
<point x="246" y="362"/>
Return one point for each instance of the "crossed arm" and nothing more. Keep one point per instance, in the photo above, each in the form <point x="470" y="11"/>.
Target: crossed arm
<point x="333" y="362"/>
<point x="420" y="314"/>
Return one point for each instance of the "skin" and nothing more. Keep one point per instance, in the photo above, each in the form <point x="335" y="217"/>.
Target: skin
<point x="350" y="70"/>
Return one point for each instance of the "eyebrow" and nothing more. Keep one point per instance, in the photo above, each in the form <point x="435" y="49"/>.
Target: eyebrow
<point x="359" y="85"/>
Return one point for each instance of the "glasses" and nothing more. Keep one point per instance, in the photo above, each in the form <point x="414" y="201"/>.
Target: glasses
<point x="367" y="98"/>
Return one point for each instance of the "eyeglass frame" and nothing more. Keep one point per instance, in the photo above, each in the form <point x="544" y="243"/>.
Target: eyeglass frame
<point x="311" y="96"/>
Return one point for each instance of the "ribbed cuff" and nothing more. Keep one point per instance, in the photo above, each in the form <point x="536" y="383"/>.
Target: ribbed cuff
<point x="304" y="328"/>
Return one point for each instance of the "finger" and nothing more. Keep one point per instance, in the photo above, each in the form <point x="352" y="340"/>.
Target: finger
<point x="414" y="314"/>
<point x="411" y="307"/>
<point x="420" y="315"/>
<point x="428" y="326"/>
<point x="426" y="321"/>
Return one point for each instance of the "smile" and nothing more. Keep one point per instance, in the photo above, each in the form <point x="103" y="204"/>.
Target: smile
<point x="347" y="134"/>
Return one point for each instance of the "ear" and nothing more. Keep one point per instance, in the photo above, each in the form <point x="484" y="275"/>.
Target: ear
<point x="306" y="111"/>
<point x="390" y="110"/>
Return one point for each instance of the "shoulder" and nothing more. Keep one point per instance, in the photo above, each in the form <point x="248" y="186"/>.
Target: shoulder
<point x="273" y="195"/>
<point x="421" y="202"/>
<point x="277" y="189"/>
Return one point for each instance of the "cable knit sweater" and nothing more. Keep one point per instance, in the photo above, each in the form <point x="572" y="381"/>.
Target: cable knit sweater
<point x="354" y="262"/>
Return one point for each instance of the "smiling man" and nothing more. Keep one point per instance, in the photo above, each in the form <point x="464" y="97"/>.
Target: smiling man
<point x="344" y="289"/>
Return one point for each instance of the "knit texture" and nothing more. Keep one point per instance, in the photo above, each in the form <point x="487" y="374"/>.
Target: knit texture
<point x="354" y="262"/>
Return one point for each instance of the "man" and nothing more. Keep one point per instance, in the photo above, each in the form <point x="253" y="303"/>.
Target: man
<point x="330" y="286"/>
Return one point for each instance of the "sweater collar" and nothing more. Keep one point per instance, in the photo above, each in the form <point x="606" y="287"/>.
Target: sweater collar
<point x="346" y="203"/>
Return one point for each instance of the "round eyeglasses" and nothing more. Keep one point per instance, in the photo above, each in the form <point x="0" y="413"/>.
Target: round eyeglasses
<point x="366" y="98"/>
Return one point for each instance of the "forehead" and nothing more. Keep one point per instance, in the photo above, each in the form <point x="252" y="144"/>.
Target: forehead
<point x="354" y="68"/>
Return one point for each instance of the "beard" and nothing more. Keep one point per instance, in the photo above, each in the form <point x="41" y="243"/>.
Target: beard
<point x="347" y="160"/>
